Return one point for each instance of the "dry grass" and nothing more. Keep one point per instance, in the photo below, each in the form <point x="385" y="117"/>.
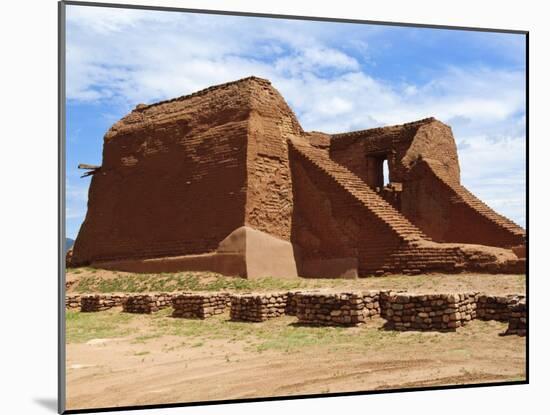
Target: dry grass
<point x="88" y="280"/>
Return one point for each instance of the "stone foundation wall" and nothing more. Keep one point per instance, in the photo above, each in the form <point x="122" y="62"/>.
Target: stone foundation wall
<point x="258" y="307"/>
<point x="345" y="309"/>
<point x="200" y="305"/>
<point x="291" y="304"/>
<point x="402" y="310"/>
<point x="101" y="302"/>
<point x="72" y="301"/>
<point x="517" y="324"/>
<point x="492" y="307"/>
<point x="146" y="303"/>
<point x="441" y="312"/>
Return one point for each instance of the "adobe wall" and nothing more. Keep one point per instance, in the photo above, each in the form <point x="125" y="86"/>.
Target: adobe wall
<point x="447" y="212"/>
<point x="330" y="223"/>
<point x="314" y="226"/>
<point x="423" y="161"/>
<point x="362" y="151"/>
<point x="180" y="176"/>
<point x="172" y="180"/>
<point x="271" y="122"/>
<point x="346" y="219"/>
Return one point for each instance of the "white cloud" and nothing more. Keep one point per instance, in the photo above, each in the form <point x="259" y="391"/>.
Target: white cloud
<point x="132" y="56"/>
<point x="315" y="60"/>
<point x="495" y="171"/>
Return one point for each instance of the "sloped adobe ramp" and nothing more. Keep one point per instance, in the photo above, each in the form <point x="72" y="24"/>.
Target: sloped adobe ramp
<point x="246" y="252"/>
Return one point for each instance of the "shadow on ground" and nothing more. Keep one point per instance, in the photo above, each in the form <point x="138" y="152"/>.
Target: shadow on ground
<point x="48" y="403"/>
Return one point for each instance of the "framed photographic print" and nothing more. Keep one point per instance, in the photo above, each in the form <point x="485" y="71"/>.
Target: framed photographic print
<point x="259" y="207"/>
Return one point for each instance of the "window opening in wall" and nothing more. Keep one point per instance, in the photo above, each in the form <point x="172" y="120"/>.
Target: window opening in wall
<point x="385" y="173"/>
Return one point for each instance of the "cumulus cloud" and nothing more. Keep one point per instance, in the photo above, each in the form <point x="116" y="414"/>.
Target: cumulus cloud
<point x="129" y="56"/>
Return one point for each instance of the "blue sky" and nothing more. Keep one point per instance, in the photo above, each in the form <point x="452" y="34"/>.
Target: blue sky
<point x="336" y="76"/>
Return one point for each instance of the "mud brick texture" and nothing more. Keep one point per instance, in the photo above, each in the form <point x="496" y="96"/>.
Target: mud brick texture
<point x="258" y="307"/>
<point x="438" y="312"/>
<point x="499" y="308"/>
<point x="200" y="305"/>
<point x="341" y="309"/>
<point x="101" y="302"/>
<point x="235" y="155"/>
<point x="72" y="301"/>
<point x="517" y="323"/>
<point x="146" y="303"/>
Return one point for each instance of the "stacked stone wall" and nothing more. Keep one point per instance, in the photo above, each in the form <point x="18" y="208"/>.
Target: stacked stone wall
<point x="401" y="310"/>
<point x="146" y="303"/>
<point x="291" y="303"/>
<point x="517" y="324"/>
<point x="441" y="312"/>
<point x="494" y="307"/>
<point x="343" y="309"/>
<point x="72" y="301"/>
<point x="258" y="307"/>
<point x="200" y="305"/>
<point x="101" y="302"/>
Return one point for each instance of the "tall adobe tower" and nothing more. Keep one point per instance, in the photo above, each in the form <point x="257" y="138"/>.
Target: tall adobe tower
<point x="226" y="180"/>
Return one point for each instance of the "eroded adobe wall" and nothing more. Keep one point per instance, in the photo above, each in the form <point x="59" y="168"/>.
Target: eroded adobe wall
<point x="314" y="228"/>
<point x="433" y="140"/>
<point x="347" y="216"/>
<point x="422" y="157"/>
<point x="172" y="181"/>
<point x="434" y="200"/>
<point x="426" y="202"/>
<point x="269" y="189"/>
<point x="447" y="212"/>
<point x="362" y="152"/>
<point x="335" y="224"/>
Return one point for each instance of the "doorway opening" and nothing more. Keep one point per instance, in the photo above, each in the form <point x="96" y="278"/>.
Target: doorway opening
<point x="385" y="173"/>
<point x="378" y="172"/>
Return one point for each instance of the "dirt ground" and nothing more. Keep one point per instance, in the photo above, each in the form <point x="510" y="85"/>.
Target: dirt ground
<point x="119" y="359"/>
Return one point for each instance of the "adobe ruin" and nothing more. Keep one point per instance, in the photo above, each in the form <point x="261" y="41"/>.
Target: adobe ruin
<point x="226" y="180"/>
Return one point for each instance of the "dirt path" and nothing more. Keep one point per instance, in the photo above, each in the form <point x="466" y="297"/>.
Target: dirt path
<point x="154" y="369"/>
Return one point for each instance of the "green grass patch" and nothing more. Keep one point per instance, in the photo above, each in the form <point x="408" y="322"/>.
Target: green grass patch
<point x="82" y="327"/>
<point x="282" y="335"/>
